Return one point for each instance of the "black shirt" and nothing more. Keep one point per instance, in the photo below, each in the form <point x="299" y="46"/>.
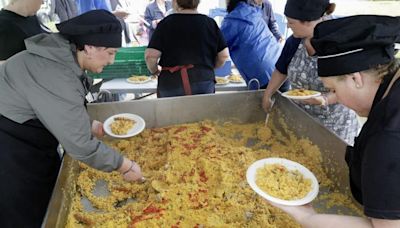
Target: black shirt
<point x="289" y="50"/>
<point x="14" y="29"/>
<point x="187" y="39"/>
<point x="374" y="162"/>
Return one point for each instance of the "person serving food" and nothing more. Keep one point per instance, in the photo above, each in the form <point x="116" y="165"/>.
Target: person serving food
<point x="42" y="104"/>
<point x="371" y="87"/>
<point x="298" y="65"/>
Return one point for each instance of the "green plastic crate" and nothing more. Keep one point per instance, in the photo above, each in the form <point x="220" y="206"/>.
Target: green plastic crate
<point x="130" y="53"/>
<point x="128" y="61"/>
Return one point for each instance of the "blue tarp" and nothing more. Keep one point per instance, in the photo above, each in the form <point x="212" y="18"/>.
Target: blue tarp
<point x="252" y="46"/>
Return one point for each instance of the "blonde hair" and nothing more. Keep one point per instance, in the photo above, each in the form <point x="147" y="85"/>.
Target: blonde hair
<point x="380" y="71"/>
<point x="385" y="70"/>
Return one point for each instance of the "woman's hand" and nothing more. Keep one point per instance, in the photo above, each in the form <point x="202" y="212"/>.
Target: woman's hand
<point x="299" y="213"/>
<point x="154" y="23"/>
<point x="151" y="57"/>
<point x="134" y="174"/>
<point x="97" y="129"/>
<point x="121" y="14"/>
<point x="320" y="100"/>
<point x="131" y="171"/>
<point x="324" y="100"/>
<point x="157" y="72"/>
<point x="267" y="103"/>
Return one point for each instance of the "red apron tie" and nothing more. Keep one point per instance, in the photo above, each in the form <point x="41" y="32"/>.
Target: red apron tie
<point x="184" y="76"/>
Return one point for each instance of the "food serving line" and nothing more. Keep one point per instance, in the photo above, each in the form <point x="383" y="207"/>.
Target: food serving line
<point x="130" y="62"/>
<point x="120" y="85"/>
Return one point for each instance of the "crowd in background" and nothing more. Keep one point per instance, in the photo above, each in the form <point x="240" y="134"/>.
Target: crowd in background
<point x="140" y="16"/>
<point x="131" y="13"/>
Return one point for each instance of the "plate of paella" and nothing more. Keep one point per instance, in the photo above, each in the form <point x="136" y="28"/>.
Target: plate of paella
<point x="282" y="181"/>
<point x="138" y="79"/>
<point x="124" y="125"/>
<point x="235" y="78"/>
<point x="221" y="80"/>
<point x="301" y="94"/>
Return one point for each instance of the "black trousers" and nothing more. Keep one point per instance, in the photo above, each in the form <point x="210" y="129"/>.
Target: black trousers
<point x="29" y="165"/>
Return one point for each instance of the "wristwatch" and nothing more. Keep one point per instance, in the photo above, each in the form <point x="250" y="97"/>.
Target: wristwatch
<point x="130" y="168"/>
<point x="155" y="73"/>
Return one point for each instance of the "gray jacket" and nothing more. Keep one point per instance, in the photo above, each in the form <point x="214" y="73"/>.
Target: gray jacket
<point x="45" y="82"/>
<point x="65" y="9"/>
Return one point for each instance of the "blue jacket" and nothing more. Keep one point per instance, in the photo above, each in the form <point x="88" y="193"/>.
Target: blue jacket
<point x="87" y="5"/>
<point x="252" y="46"/>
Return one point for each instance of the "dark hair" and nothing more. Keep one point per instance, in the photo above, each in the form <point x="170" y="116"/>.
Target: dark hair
<point x="79" y="47"/>
<point x="232" y="5"/>
<point x="188" y="4"/>
<point x="330" y="9"/>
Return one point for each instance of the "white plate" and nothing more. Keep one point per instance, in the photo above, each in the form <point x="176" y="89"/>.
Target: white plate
<point x="139" y="82"/>
<point x="136" y="129"/>
<point x="240" y="81"/>
<point x="225" y="83"/>
<point x="291" y="165"/>
<point x="285" y="94"/>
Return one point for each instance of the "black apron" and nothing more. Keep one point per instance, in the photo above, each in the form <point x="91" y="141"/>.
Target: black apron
<point x="184" y="76"/>
<point x="200" y="81"/>
<point x="354" y="154"/>
<point x="29" y="165"/>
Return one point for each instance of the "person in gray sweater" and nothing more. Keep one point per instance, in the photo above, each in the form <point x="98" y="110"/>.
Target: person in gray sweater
<point x="42" y="104"/>
<point x="65" y="9"/>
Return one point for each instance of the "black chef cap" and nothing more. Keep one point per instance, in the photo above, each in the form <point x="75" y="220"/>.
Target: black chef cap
<point x="306" y="10"/>
<point x="97" y="27"/>
<point x="355" y="43"/>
